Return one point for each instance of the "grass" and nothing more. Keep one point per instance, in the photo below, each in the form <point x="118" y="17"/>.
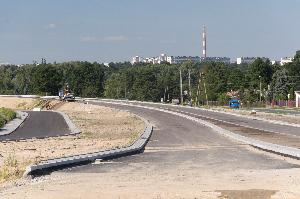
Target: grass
<point x="10" y="169"/>
<point x="6" y="115"/>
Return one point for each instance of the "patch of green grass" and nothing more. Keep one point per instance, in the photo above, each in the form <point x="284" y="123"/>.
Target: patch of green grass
<point x="6" y="115"/>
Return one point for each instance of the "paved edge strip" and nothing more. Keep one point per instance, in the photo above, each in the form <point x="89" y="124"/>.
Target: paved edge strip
<point x="137" y="147"/>
<point x="72" y="127"/>
<point x="13" y="125"/>
<point x="266" y="146"/>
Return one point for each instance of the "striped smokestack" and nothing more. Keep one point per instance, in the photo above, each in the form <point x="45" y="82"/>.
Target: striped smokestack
<point x="204" y="42"/>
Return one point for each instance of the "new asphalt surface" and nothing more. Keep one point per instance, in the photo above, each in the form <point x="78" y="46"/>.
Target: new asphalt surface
<point x="178" y="141"/>
<point x="267" y="126"/>
<point x="39" y="124"/>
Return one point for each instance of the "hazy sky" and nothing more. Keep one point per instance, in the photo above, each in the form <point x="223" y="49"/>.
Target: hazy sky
<point x="116" y="30"/>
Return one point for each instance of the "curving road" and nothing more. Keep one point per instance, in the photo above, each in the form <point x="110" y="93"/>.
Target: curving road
<point x="183" y="159"/>
<point x="39" y="124"/>
<point x="257" y="129"/>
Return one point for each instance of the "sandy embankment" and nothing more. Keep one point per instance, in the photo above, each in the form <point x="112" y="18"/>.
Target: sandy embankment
<point x="102" y="128"/>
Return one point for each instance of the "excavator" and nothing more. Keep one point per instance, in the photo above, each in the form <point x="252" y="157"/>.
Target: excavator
<point x="66" y="94"/>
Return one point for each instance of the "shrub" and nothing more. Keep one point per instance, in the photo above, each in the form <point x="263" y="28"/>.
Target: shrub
<point x="6" y="115"/>
<point x="2" y="121"/>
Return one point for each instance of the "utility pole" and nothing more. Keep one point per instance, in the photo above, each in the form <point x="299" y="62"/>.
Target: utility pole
<point x="190" y="91"/>
<point x="125" y="91"/>
<point x="165" y="94"/>
<point x="168" y="94"/>
<point x="259" y="88"/>
<point x="181" y="96"/>
<point x="198" y="90"/>
<point x="205" y="91"/>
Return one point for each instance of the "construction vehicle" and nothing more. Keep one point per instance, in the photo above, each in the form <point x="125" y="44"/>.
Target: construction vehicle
<point x="66" y="94"/>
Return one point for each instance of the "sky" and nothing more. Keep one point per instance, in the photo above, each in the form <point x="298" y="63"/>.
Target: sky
<point x="116" y="30"/>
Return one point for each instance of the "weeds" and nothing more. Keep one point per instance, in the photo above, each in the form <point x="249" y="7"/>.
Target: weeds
<point x="10" y="169"/>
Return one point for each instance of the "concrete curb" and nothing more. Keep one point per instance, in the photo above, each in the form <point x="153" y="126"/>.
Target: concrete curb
<point x="13" y="125"/>
<point x="235" y="114"/>
<point x="72" y="127"/>
<point x="253" y="118"/>
<point x="266" y="146"/>
<point x="49" y="165"/>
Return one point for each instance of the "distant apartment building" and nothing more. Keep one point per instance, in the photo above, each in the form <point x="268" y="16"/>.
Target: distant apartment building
<point x="248" y="60"/>
<point x="153" y="60"/>
<point x="179" y="59"/>
<point x="225" y="60"/>
<point x="275" y="62"/>
<point x="137" y="59"/>
<point x="182" y="59"/>
<point x="286" y="60"/>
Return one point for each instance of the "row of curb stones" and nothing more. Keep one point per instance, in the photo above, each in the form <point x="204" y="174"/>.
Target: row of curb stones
<point x="13" y="125"/>
<point x="72" y="127"/>
<point x="59" y="163"/>
<point x="266" y="146"/>
<point x="204" y="109"/>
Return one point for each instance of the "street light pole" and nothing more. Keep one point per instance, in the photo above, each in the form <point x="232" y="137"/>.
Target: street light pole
<point x="181" y="96"/>
<point x="190" y="91"/>
<point x="259" y="88"/>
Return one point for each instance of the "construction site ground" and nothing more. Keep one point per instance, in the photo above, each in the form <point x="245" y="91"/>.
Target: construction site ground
<point x="102" y="128"/>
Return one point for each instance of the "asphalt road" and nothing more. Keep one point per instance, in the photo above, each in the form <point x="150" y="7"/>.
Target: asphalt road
<point x="258" y="124"/>
<point x="183" y="159"/>
<point x="39" y="124"/>
<point x="178" y="140"/>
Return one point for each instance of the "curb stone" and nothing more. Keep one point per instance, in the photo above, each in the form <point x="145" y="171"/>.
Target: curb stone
<point x="72" y="127"/>
<point x="13" y="125"/>
<point x="59" y="163"/>
<point x="235" y="114"/>
<point x="266" y="146"/>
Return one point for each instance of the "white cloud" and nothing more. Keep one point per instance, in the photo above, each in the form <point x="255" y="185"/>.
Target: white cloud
<point x="108" y="39"/>
<point x="50" y="26"/>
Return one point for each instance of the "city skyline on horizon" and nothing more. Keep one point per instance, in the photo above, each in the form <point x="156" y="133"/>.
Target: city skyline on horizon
<point x="120" y="30"/>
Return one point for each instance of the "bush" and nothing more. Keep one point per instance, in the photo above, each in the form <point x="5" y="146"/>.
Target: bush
<point x="2" y="121"/>
<point x="6" y="115"/>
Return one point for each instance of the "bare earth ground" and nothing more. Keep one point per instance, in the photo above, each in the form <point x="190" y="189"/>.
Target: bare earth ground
<point x="102" y="128"/>
<point x="178" y="182"/>
<point x="269" y="116"/>
<point x="18" y="103"/>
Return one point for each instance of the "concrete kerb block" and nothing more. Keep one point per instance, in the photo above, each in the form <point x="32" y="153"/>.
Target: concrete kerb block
<point x="72" y="127"/>
<point x="52" y="164"/>
<point x="209" y="110"/>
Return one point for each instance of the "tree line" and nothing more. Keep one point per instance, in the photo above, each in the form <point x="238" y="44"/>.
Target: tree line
<point x="211" y="81"/>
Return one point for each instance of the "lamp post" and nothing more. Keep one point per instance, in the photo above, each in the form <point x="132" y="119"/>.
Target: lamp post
<point x="180" y="82"/>
<point x="259" y="88"/>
